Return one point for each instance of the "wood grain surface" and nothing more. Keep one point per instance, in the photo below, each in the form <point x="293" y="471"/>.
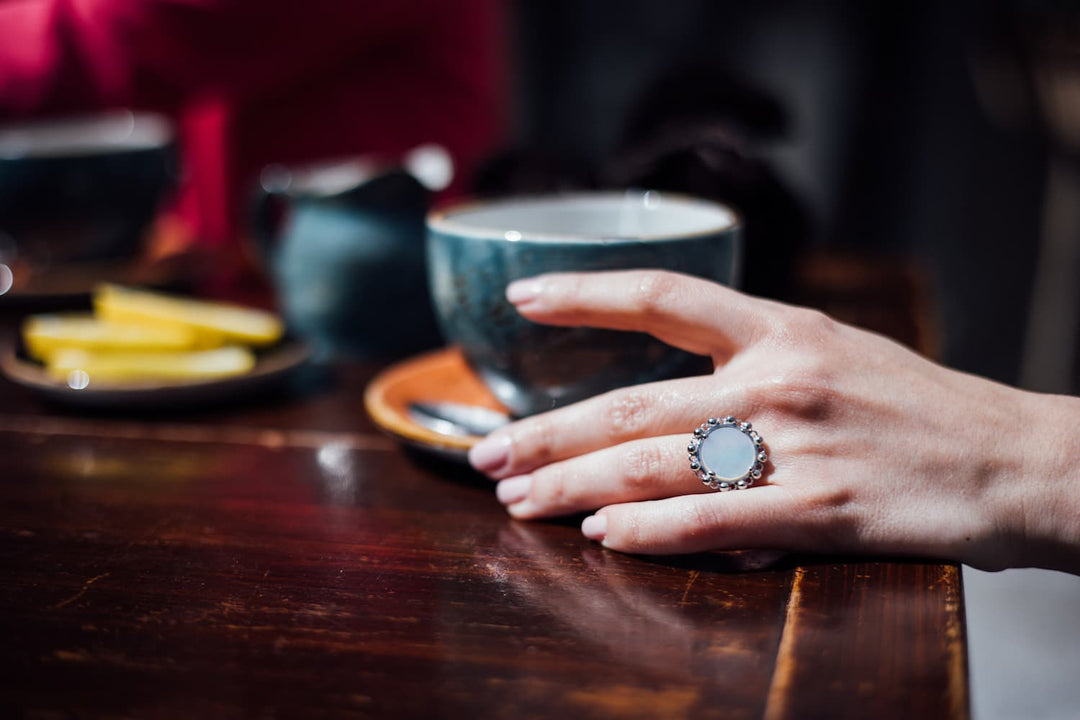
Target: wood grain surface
<point x="280" y="558"/>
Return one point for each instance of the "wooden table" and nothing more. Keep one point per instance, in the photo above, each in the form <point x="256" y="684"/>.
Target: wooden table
<point x="284" y="559"/>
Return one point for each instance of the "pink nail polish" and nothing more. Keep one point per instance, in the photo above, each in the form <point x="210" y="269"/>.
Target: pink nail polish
<point x="594" y="527"/>
<point x="513" y="490"/>
<point x="491" y="453"/>
<point x="520" y="292"/>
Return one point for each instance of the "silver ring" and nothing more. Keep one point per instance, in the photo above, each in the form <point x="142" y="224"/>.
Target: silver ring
<point x="727" y="454"/>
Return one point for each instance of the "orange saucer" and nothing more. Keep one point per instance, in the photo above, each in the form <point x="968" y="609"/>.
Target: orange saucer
<point x="439" y="376"/>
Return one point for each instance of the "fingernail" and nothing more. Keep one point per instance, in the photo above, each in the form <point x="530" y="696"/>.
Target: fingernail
<point x="513" y="490"/>
<point x="491" y="453"/>
<point x="520" y="292"/>
<point x="594" y="527"/>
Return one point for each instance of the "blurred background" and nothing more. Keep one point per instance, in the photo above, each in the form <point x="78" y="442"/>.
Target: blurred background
<point x="937" y="132"/>
<point x="941" y="136"/>
<point x="937" y="137"/>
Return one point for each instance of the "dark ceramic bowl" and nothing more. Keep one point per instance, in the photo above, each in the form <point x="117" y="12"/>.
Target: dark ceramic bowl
<point x="475" y="249"/>
<point x="82" y="189"/>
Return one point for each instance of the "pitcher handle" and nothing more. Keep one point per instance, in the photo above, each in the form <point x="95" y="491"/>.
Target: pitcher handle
<point x="267" y="212"/>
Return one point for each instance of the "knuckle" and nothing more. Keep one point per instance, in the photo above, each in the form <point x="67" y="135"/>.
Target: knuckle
<point x="565" y="286"/>
<point x="536" y="441"/>
<point x="630" y="530"/>
<point x="626" y="414"/>
<point x="802" y="389"/>
<point x="814" y="323"/>
<point x="802" y="394"/>
<point x="788" y="327"/>
<point x="832" y="518"/>
<point x="779" y="326"/>
<point x="640" y="466"/>
<point x="626" y="530"/>
<point x="549" y="488"/>
<point x="652" y="291"/>
<point x="758" y="396"/>
<point x="702" y="517"/>
<point x="830" y="500"/>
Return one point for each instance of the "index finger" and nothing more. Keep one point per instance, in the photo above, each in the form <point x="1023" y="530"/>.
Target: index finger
<point x="694" y="314"/>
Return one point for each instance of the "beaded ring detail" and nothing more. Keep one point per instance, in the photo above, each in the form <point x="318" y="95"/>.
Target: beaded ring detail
<point x="727" y="454"/>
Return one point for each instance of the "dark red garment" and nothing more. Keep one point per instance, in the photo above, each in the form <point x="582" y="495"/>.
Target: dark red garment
<point x="252" y="82"/>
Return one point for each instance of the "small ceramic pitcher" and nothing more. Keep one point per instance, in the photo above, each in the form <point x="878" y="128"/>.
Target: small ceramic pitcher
<point x="347" y="260"/>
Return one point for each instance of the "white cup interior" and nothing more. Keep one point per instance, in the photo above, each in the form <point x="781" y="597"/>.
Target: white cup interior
<point x="599" y="217"/>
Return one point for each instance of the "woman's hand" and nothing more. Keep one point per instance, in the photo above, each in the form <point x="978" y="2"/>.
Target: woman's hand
<point x="872" y="448"/>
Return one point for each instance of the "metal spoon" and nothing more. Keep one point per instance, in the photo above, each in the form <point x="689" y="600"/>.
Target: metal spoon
<point x="457" y="419"/>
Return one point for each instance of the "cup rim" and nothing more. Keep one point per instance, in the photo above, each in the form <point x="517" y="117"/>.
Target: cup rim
<point x="119" y="132"/>
<point x="441" y="219"/>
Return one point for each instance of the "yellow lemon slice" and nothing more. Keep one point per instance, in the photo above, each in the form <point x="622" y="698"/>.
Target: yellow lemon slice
<point x="81" y="368"/>
<point x="213" y="323"/>
<point x="45" y="334"/>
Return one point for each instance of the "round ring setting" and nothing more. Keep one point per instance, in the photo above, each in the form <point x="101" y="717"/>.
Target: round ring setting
<point x="727" y="453"/>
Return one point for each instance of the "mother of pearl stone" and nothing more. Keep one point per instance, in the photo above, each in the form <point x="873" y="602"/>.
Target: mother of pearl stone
<point x="728" y="453"/>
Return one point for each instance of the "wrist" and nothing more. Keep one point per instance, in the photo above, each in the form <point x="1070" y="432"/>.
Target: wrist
<point x="1048" y="488"/>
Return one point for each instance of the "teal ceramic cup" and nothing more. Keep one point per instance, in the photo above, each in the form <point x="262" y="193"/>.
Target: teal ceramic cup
<point x="475" y="249"/>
